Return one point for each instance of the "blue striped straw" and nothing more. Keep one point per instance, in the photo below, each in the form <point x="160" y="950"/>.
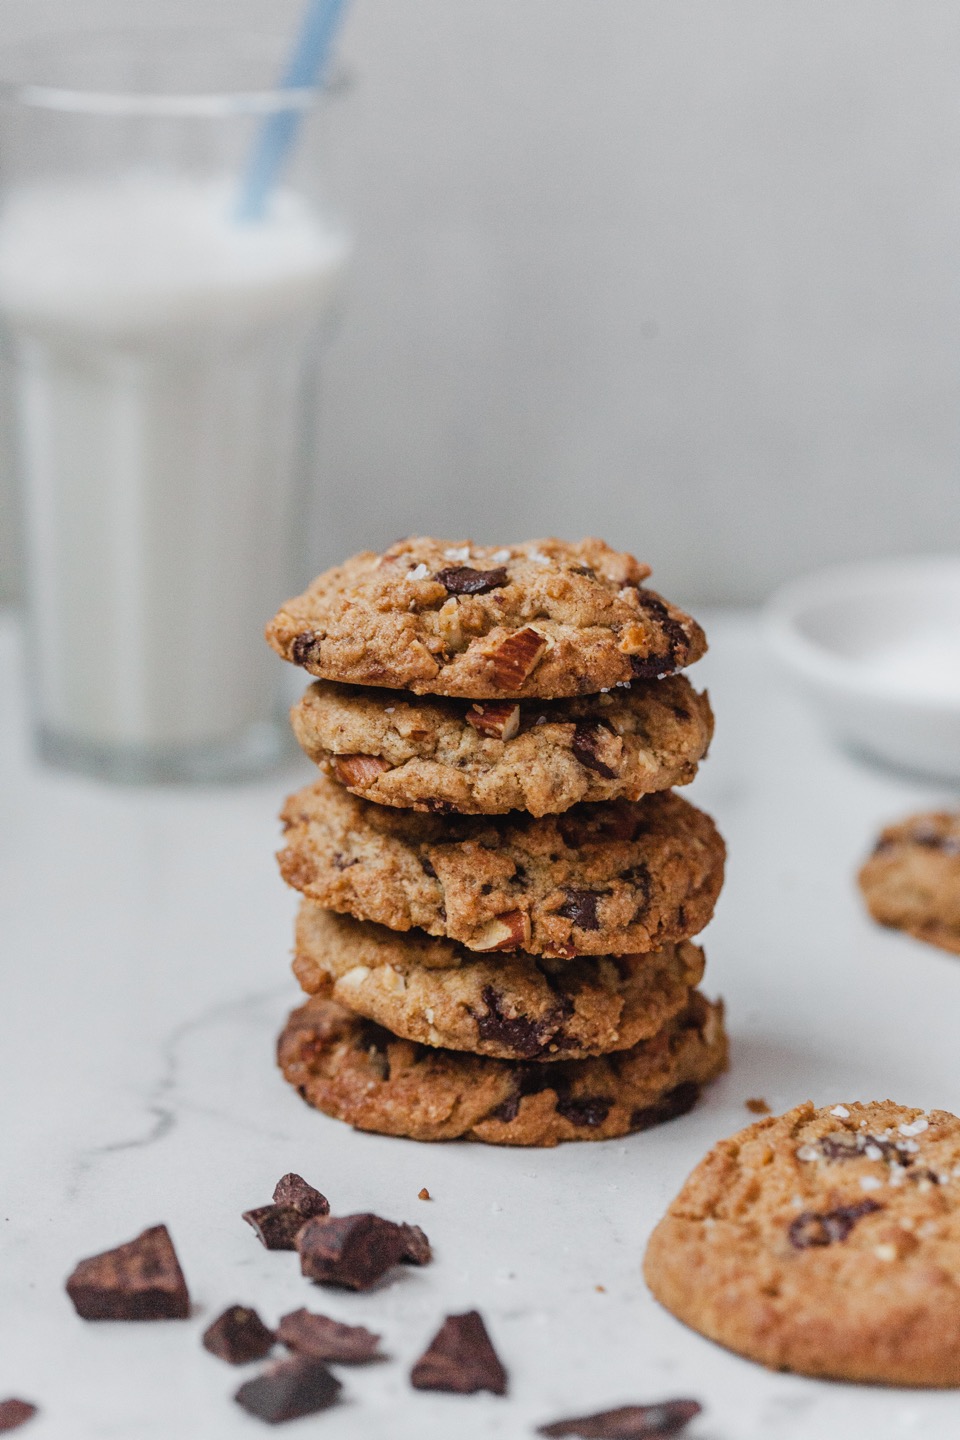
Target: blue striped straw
<point x="278" y="133"/>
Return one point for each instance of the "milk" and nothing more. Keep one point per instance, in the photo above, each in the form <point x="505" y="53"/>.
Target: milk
<point x="161" y="356"/>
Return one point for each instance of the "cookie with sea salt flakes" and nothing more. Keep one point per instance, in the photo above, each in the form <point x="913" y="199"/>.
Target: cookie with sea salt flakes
<point x="485" y="758"/>
<point x="356" y="1071"/>
<point x="516" y="1007"/>
<point x="826" y="1242"/>
<point x="545" y="618"/>
<point x="606" y="879"/>
<point x="912" y="880"/>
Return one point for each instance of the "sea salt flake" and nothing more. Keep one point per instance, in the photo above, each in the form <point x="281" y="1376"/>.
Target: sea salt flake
<point x="909" y="1147"/>
<point x="420" y="572"/>
<point x="500" y="557"/>
<point x="916" y="1127"/>
<point x="461" y="554"/>
<point x="807" y="1152"/>
<point x="897" y="1174"/>
<point x="841" y="1111"/>
<point x="873" y="1152"/>
<point x="870" y="1182"/>
<point x="389" y="709"/>
<point x="539" y="557"/>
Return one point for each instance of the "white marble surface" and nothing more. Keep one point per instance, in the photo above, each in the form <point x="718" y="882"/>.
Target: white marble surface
<point x="145" y="942"/>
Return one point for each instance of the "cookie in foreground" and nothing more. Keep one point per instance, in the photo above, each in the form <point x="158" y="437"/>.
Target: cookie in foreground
<point x="512" y="1006"/>
<point x="485" y="758"/>
<point x="614" y="878"/>
<point x="545" y="618"/>
<point x="356" y="1071"/>
<point x="826" y="1242"/>
<point x="911" y="881"/>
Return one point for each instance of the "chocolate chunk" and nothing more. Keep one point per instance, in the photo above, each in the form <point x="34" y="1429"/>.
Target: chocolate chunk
<point x="238" y="1336"/>
<point x="276" y="1225"/>
<point x="629" y="1422"/>
<point x="580" y="906"/>
<point x="416" y="1245"/>
<point x="591" y="742"/>
<point x="814" y="1227"/>
<point x="517" y="1032"/>
<point x="321" y="1338"/>
<point x="306" y="648"/>
<point x="675" y="634"/>
<point x="651" y="667"/>
<point x="427" y="867"/>
<point x="852" y="1144"/>
<point x="461" y="580"/>
<point x="460" y="1358"/>
<point x="676" y="1102"/>
<point x="293" y="1191"/>
<point x="140" y="1280"/>
<point x="289" y="1388"/>
<point x="352" y="1250"/>
<point x="592" y="1110"/>
<point x="509" y="1109"/>
<point x="14" y="1413"/>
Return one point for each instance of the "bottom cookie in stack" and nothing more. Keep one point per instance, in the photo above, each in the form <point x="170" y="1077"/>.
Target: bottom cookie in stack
<point x="355" y="1070"/>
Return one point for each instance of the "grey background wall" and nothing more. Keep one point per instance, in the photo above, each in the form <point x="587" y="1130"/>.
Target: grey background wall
<point x="684" y="273"/>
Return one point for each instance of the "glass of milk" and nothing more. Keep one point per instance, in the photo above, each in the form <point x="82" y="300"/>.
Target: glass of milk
<point x="162" y="354"/>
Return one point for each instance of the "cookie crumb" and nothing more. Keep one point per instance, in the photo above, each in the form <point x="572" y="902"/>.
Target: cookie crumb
<point x="600" y="1289"/>
<point x="757" y="1105"/>
<point x="424" y="1194"/>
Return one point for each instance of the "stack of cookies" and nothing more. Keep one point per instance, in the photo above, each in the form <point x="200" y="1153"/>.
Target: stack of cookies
<point x="499" y="885"/>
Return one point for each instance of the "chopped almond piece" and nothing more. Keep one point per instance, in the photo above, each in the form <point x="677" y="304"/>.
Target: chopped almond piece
<point x="516" y="657"/>
<point x="359" y="769"/>
<point x="510" y="931"/>
<point x="498" y="719"/>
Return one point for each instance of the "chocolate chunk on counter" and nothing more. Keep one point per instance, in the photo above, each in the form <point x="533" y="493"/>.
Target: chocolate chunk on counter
<point x="14" y="1413"/>
<point x="294" y="1202"/>
<point x="351" y="1250"/>
<point x="288" y="1389"/>
<point x="629" y="1422"/>
<point x="321" y="1338"/>
<point x="460" y="1358"/>
<point x="276" y="1226"/>
<point x="140" y="1280"/>
<point x="238" y="1336"/>
<point x="293" y="1191"/>
<point x="416" y="1246"/>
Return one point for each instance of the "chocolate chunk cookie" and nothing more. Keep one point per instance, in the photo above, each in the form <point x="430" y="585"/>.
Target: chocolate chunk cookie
<point x="438" y="618"/>
<point x="912" y="879"/>
<point x="603" y="879"/>
<point x="516" y="1007"/>
<point x="826" y="1242"/>
<point x="358" y="1072"/>
<point x="485" y="758"/>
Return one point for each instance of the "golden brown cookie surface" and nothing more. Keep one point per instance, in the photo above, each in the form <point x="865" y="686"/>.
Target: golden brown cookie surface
<point x="436" y="617"/>
<point x="487" y="758"/>
<point x="518" y="1007"/>
<point x="826" y="1242"/>
<point x="912" y="880"/>
<point x="603" y="879"/>
<point x="358" y="1072"/>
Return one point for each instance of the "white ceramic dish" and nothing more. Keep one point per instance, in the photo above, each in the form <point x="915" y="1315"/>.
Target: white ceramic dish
<point x="877" y="648"/>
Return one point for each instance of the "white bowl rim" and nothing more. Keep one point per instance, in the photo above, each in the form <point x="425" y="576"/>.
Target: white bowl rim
<point x="835" y="584"/>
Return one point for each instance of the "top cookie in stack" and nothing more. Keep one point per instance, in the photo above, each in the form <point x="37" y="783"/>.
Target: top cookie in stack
<point x="475" y="682"/>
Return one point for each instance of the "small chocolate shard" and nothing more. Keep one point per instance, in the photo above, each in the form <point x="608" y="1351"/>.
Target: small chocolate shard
<point x="321" y="1338"/>
<point x="238" y="1336"/>
<point x="276" y="1225"/>
<point x="828" y="1227"/>
<point x="629" y="1422"/>
<point x="292" y="1190"/>
<point x="460" y="1358"/>
<point x="676" y="1102"/>
<point x="306" y="648"/>
<point x="14" y="1413"/>
<point x="462" y="580"/>
<point x="518" y="1032"/>
<point x="589" y="1111"/>
<point x="416" y="1249"/>
<point x="597" y="747"/>
<point x="140" y="1280"/>
<point x="580" y="907"/>
<point x="353" y="1251"/>
<point x="288" y="1389"/>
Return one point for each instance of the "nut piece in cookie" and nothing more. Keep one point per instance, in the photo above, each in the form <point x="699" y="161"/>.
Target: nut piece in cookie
<point x="544" y="618"/>
<point x="825" y="1242"/>
<point x="911" y="881"/>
